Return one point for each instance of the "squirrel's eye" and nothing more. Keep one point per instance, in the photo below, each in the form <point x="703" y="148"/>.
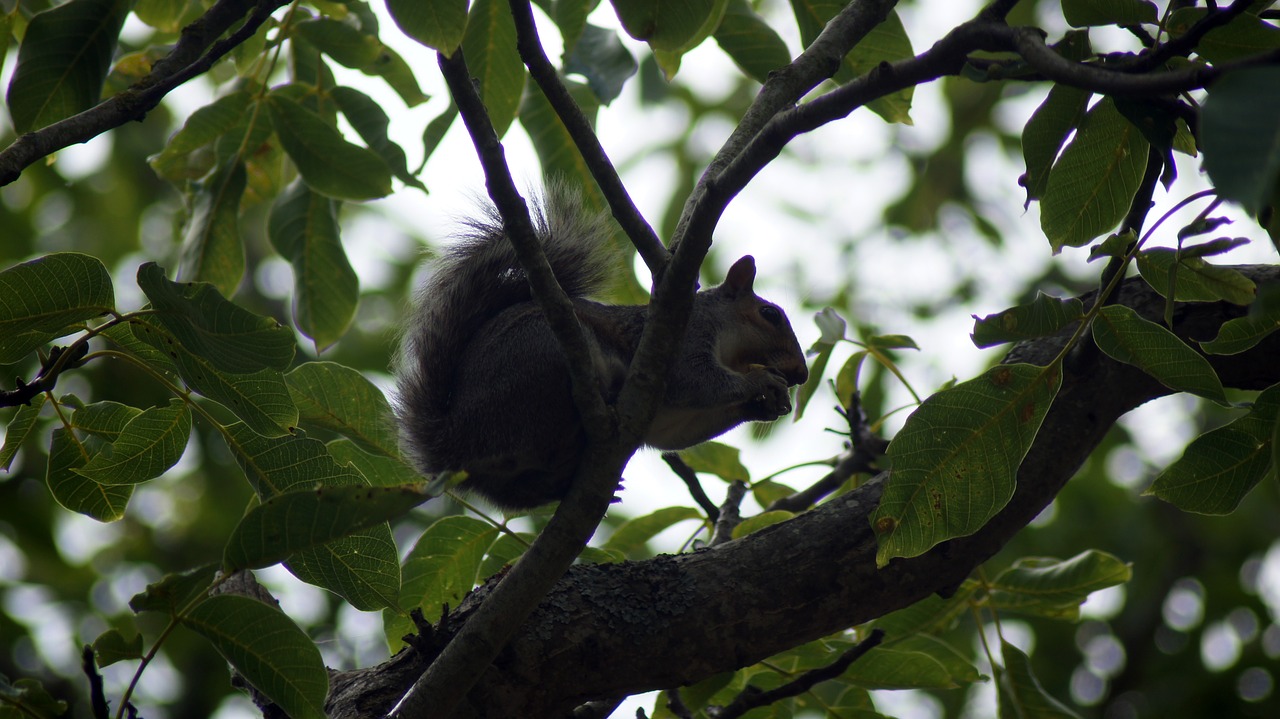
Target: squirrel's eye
<point x="771" y="314"/>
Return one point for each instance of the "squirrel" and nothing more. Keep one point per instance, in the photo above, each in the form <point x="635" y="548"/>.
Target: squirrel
<point x="483" y="385"/>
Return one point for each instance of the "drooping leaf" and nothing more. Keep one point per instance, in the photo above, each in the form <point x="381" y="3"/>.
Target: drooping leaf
<point x="1020" y="694"/>
<point x="78" y="493"/>
<point x="1128" y="338"/>
<point x="378" y="469"/>
<point x="371" y="122"/>
<point x="956" y="459"/>
<point x="327" y="162"/>
<point x="1046" y="131"/>
<point x="202" y="128"/>
<point x="212" y="246"/>
<point x="303" y="228"/>
<point x="495" y="66"/>
<point x="832" y="326"/>
<point x="300" y="520"/>
<point x="1044" y="316"/>
<point x="441" y="568"/>
<point x="1240" y="134"/>
<point x="1093" y="182"/>
<point x="749" y="40"/>
<point x="63" y="60"/>
<point x="1194" y="280"/>
<point x="1246" y="35"/>
<point x="894" y="668"/>
<point x="930" y="616"/>
<point x="49" y="297"/>
<point x="267" y="649"/>
<point x="886" y="42"/>
<point x="351" y="46"/>
<point x="438" y="24"/>
<point x="174" y="592"/>
<point x="716" y="458"/>
<point x="1243" y="333"/>
<point x="19" y="430"/>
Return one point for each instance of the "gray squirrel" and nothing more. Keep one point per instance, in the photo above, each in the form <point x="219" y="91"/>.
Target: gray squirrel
<point x="484" y="387"/>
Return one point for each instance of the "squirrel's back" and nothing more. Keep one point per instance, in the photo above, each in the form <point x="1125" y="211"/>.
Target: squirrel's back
<point x="473" y="283"/>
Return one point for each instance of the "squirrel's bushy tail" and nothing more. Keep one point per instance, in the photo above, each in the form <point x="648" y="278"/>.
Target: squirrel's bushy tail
<point x="472" y="282"/>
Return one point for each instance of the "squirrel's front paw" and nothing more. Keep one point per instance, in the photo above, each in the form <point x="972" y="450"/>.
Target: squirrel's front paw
<point x="771" y="399"/>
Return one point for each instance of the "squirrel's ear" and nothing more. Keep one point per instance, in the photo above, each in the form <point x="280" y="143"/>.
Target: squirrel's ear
<point x="741" y="276"/>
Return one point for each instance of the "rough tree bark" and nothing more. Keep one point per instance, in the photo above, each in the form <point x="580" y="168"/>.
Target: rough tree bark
<point x="611" y="630"/>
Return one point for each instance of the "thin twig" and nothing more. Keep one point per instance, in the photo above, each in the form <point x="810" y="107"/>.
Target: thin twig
<point x="529" y="45"/>
<point x="730" y="513"/>
<point x="690" y="478"/>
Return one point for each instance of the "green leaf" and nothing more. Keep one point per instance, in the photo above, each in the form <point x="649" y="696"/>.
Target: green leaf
<point x="504" y="552"/>
<point x="212" y="248"/>
<point x="1246" y="35"/>
<point x="378" y="469"/>
<point x="955" y="461"/>
<point x="399" y="76"/>
<point x="670" y="26"/>
<point x="929" y="616"/>
<point x="49" y="297"/>
<point x="1221" y="466"/>
<point x="716" y="458"/>
<point x="174" y="592"/>
<point x="338" y="398"/>
<point x="600" y="56"/>
<point x="1240" y="135"/>
<point x="276" y="465"/>
<point x="1055" y="588"/>
<point x="750" y="42"/>
<point x="104" y="419"/>
<point x="495" y="66"/>
<point x="19" y="429"/>
<point x="435" y="130"/>
<point x="631" y="537"/>
<point x="1128" y="338"/>
<point x="351" y="46"/>
<point x="328" y="163"/>
<point x="303" y="227"/>
<point x="893" y="668"/>
<point x="1020" y="692"/>
<point x="438" y="24"/>
<point x="1194" y="280"/>
<point x="1044" y="316"/>
<point x="371" y="122"/>
<point x="760" y="521"/>
<point x="111" y="647"/>
<point x="960" y="668"/>
<point x="295" y="521"/>
<point x="1092" y="184"/>
<point x="887" y="42"/>
<point x="832" y="326"/>
<point x="1088" y="13"/>
<point x="78" y="493"/>
<point x="1047" y="129"/>
<point x="63" y="60"/>
<point x="202" y="128"/>
<point x="441" y="568"/>
<point x="267" y="649"/>
<point x="1243" y="333"/>
<point x="557" y="153"/>
<point x="147" y="446"/>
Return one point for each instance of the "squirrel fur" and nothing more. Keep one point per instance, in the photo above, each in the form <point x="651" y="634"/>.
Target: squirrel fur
<point x="484" y="387"/>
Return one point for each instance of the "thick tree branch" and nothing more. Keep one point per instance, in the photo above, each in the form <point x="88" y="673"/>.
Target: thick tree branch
<point x="188" y="59"/>
<point x="627" y="628"/>
<point x="529" y="45"/>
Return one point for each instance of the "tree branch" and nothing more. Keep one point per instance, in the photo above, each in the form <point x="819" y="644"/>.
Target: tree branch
<point x="529" y="45"/>
<point x="626" y="628"/>
<point x="187" y="60"/>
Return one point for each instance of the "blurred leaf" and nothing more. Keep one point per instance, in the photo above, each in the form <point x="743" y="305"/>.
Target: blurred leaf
<point x="340" y="399"/>
<point x="19" y="429"/>
<point x="760" y="521"/>
<point x="78" y="493"/>
<point x="1086" y="13"/>
<point x="111" y="647"/>
<point x="438" y="24"/>
<point x="303" y="228"/>
<point x="1050" y="125"/>
<point x="1091" y="185"/>
<point x="603" y="60"/>
<point x="631" y="537"/>
<point x="768" y="491"/>
<point x="959" y="666"/>
<point x="1221" y="466"/>
<point x="673" y="27"/>
<point x="29" y="700"/>
<point x="267" y="649"/>
<point x="956" y="459"/>
<point x="1020" y="695"/>
<point x="1128" y="338"/>
<point x="929" y="616"/>
<point x="1243" y="333"/>
<point x="495" y="66"/>
<point x="887" y="42"/>
<point x="63" y="60"/>
<point x="750" y="42"/>
<point x="295" y="521"/>
<point x="147" y="447"/>
<point x="893" y="668"/>
<point x="1246" y="35"/>
<point x="441" y="568"/>
<point x="1055" y="588"/>
<point x="328" y="163"/>
<point x="49" y="297"/>
<point x="174" y="592"/>
<point x="212" y="248"/>
<point x="716" y="458"/>
<point x="1240" y="134"/>
<point x="349" y="45"/>
<point x="504" y="552"/>
<point x="399" y="77"/>
<point x="1044" y="316"/>
<point x="439" y="125"/>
